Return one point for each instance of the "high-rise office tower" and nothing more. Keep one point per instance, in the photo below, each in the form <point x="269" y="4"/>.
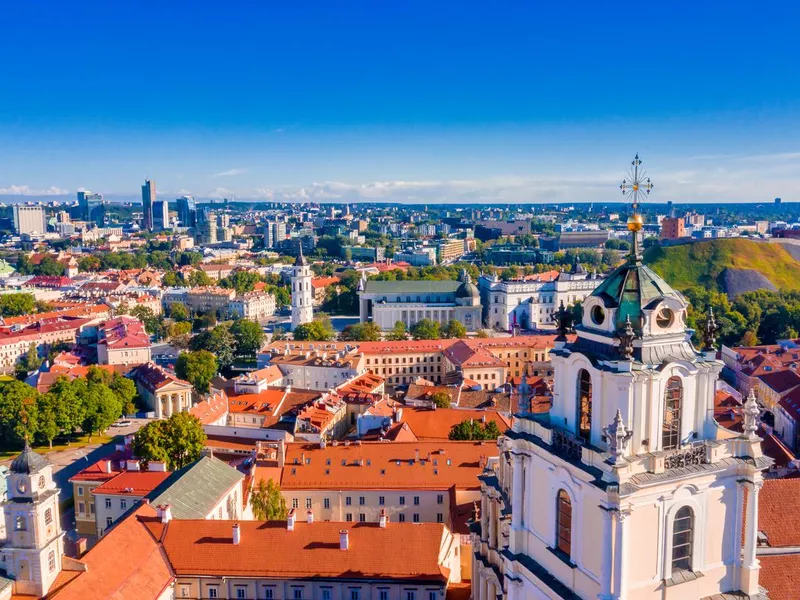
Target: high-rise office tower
<point x="29" y="219"/>
<point x="187" y="211"/>
<point x="148" y="199"/>
<point x="160" y="215"/>
<point x="274" y="232"/>
<point x="90" y="207"/>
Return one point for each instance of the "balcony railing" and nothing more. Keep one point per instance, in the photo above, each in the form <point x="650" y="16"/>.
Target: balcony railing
<point x="567" y="445"/>
<point x="687" y="457"/>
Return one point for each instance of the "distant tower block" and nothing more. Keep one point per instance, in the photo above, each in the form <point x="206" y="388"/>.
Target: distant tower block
<point x="302" y="295"/>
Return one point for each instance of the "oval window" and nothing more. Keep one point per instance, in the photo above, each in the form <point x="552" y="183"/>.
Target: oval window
<point x="664" y="318"/>
<point x="598" y="315"/>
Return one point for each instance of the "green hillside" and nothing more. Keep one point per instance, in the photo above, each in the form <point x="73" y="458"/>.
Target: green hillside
<point x="702" y="263"/>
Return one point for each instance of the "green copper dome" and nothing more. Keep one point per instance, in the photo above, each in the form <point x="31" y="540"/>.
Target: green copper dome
<point x="631" y="288"/>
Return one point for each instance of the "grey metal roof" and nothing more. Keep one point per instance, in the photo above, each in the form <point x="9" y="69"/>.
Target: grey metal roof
<point x="424" y="286"/>
<point x="29" y="461"/>
<point x="193" y="491"/>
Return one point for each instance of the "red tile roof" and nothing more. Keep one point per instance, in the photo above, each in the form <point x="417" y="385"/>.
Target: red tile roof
<point x="435" y="424"/>
<point x="154" y="377"/>
<point x="323" y="282"/>
<point x="378" y="465"/>
<point x="779" y="512"/>
<point x="199" y="547"/>
<point x="780" y="575"/>
<point x="126" y="564"/>
<point x="132" y="483"/>
<point x="124" y="332"/>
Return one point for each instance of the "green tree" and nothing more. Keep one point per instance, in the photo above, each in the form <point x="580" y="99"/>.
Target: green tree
<point x="361" y="332"/>
<point x="126" y="391"/>
<point x="72" y="409"/>
<point x="178" y="441"/>
<point x="172" y="279"/>
<point x="219" y="341"/>
<point x="398" y="333"/>
<point x="249" y="337"/>
<point x="241" y="281"/>
<point x="441" y="400"/>
<point x="49" y="266"/>
<point x="454" y="329"/>
<point x="182" y="328"/>
<point x="19" y="412"/>
<point x="474" y="430"/>
<point x="178" y="311"/>
<point x="89" y="263"/>
<point x="30" y="361"/>
<point x="749" y="338"/>
<point x="103" y="407"/>
<point x="152" y="322"/>
<point x="199" y="278"/>
<point x="425" y="329"/>
<point x="313" y="332"/>
<point x="267" y="501"/>
<point x="198" y="368"/>
<point x="48" y="424"/>
<point x="16" y="304"/>
<point x="278" y="334"/>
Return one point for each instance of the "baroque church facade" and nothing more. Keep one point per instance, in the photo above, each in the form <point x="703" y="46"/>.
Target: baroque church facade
<point x="628" y="488"/>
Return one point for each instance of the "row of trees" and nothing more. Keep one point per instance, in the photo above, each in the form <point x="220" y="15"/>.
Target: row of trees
<point x="89" y="404"/>
<point x="474" y="430"/>
<point x="17" y="304"/>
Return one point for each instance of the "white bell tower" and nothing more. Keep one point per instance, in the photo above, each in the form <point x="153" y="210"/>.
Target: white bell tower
<point x="34" y="545"/>
<point x="627" y="489"/>
<point x="302" y="294"/>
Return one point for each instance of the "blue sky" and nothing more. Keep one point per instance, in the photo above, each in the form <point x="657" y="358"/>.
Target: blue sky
<point x="417" y="101"/>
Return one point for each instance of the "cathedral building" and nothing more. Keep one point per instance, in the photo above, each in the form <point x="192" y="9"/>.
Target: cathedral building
<point x="627" y="488"/>
<point x="302" y="293"/>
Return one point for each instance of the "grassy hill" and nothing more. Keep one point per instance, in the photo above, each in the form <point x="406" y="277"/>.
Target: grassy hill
<point x="703" y="263"/>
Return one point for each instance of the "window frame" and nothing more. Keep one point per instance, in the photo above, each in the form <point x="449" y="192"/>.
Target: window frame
<point x="673" y="414"/>
<point x="563" y="530"/>
<point x="583" y="405"/>
<point x="685" y="516"/>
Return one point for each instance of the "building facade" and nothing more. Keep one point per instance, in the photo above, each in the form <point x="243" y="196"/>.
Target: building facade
<point x="532" y="304"/>
<point x="255" y="306"/>
<point x="627" y="488"/>
<point x="387" y="302"/>
<point x="29" y="219"/>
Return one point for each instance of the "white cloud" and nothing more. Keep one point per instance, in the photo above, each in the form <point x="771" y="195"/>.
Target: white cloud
<point x="231" y="173"/>
<point x="24" y="190"/>
<point x="221" y="192"/>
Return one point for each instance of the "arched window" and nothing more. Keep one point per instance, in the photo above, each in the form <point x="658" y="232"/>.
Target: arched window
<point x="564" y="523"/>
<point x="671" y="427"/>
<point x="682" y="539"/>
<point x="584" y="404"/>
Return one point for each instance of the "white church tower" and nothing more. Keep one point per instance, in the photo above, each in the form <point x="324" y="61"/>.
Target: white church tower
<point x="302" y="294"/>
<point x="627" y="489"/>
<point x="34" y="541"/>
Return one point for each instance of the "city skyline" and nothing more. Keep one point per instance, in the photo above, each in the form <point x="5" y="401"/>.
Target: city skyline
<point x="411" y="104"/>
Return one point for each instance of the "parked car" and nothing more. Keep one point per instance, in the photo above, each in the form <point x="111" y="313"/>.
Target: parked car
<point x="122" y="423"/>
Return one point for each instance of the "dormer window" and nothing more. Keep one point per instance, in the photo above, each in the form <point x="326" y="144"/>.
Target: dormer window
<point x="598" y="315"/>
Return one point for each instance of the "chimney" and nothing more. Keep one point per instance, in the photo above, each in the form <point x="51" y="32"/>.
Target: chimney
<point x="106" y="466"/>
<point x="383" y="519"/>
<point x="416" y="455"/>
<point x="322" y="442"/>
<point x="157" y="465"/>
<point x="132" y="465"/>
<point x="237" y="534"/>
<point x="398" y="415"/>
<point x="309" y="516"/>
<point x="344" y="540"/>
<point x="290" y="520"/>
<point x="164" y="513"/>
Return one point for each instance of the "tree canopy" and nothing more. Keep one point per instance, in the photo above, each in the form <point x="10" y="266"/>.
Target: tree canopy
<point x="178" y="440"/>
<point x="361" y="332"/>
<point x="267" y="501"/>
<point x="474" y="430"/>
<point x="425" y="329"/>
<point x="198" y="368"/>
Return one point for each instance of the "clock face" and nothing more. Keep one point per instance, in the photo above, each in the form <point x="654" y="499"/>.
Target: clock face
<point x="41" y="482"/>
<point x="21" y="486"/>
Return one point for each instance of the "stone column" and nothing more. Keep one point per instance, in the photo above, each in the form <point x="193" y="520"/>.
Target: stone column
<point x="516" y="491"/>
<point x="751" y="526"/>
<point x="606" y="545"/>
<point x="620" y="555"/>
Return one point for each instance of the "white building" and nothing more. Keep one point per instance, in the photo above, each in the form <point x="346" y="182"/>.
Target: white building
<point x="532" y="304"/>
<point x="627" y="489"/>
<point x="29" y="219"/>
<point x="302" y="293"/>
<point x="255" y="306"/>
<point x="387" y="302"/>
